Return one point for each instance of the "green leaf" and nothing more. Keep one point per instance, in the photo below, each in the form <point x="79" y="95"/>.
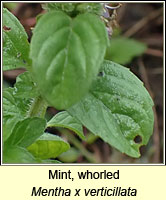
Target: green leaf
<point x="14" y="110"/>
<point x="65" y="120"/>
<point x="95" y="8"/>
<point x="17" y="102"/>
<point x="68" y="53"/>
<point x="74" y="9"/>
<point x="70" y="156"/>
<point x="48" y="146"/>
<point x="118" y="109"/>
<point x="123" y="50"/>
<point x="15" y="43"/>
<point x="25" y="87"/>
<point x="14" y="154"/>
<point x="65" y="7"/>
<point x="27" y="132"/>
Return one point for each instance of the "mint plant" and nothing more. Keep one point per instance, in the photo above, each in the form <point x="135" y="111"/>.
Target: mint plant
<point x="66" y="70"/>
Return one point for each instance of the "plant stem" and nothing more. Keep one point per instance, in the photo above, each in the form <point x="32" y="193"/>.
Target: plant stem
<point x="91" y="138"/>
<point x="38" y="108"/>
<point x="71" y="138"/>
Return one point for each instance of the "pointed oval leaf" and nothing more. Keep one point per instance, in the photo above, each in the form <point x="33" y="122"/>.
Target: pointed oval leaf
<point x="15" y="43"/>
<point x="118" y="109"/>
<point x="48" y="146"/>
<point x="67" y="52"/>
<point x="65" y="120"/>
<point x="27" y="131"/>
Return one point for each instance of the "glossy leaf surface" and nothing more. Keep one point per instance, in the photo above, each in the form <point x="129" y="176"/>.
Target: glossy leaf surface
<point x="66" y="55"/>
<point x="15" y="43"/>
<point x="117" y="109"/>
<point x="27" y="131"/>
<point x="65" y="120"/>
<point x="48" y="146"/>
